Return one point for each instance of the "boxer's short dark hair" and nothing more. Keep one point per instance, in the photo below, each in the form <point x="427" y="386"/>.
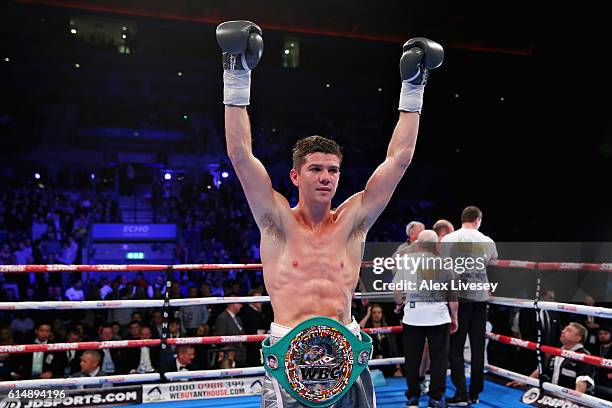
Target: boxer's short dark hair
<point x="313" y="144"/>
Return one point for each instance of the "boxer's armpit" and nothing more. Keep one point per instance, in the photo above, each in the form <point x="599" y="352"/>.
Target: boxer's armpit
<point x="271" y="228"/>
<point x="359" y="231"/>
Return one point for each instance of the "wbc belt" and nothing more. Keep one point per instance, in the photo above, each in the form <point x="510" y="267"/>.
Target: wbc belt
<point x="318" y="361"/>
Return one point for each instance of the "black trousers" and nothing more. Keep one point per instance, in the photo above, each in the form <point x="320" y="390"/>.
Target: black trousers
<point x="414" y="342"/>
<point x="472" y="321"/>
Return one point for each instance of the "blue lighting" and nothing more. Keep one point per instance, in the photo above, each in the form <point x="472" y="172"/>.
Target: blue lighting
<point x="167" y="176"/>
<point x="225" y="174"/>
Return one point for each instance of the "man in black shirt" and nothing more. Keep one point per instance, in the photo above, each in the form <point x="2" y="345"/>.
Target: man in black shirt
<point x="603" y="376"/>
<point x="564" y="372"/>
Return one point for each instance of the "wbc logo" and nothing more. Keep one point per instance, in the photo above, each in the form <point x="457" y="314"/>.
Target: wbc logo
<point x="319" y="363"/>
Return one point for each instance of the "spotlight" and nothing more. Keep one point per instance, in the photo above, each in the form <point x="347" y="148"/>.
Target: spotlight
<point x="37" y="176"/>
<point x="73" y="31"/>
<point x="7" y="59"/>
<point x="92" y="176"/>
<point x="225" y="174"/>
<point x="185" y="116"/>
<point x="327" y="85"/>
<point x="287" y="52"/>
<point x="179" y="73"/>
<point x="123" y="36"/>
<point x="77" y="65"/>
<point x="167" y="176"/>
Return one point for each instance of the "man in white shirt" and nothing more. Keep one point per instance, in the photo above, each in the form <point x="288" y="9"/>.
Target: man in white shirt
<point x="75" y="292"/>
<point x="430" y="313"/>
<point x="144" y="359"/>
<point x="467" y="243"/>
<point x="105" y="288"/>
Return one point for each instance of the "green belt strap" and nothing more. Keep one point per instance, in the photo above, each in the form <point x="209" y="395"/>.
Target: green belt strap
<point x="318" y="361"/>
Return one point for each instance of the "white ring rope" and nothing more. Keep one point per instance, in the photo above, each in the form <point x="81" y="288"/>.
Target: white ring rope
<point x="554" y="306"/>
<point x="235" y="372"/>
<point x="73" y="382"/>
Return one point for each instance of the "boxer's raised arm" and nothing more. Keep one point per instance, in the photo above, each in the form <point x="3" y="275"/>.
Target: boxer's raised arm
<point x="384" y="180"/>
<point x="420" y="55"/>
<point x="252" y="174"/>
<point x="242" y="45"/>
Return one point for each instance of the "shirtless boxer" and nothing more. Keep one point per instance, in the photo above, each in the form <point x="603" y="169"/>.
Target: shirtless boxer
<point x="311" y="255"/>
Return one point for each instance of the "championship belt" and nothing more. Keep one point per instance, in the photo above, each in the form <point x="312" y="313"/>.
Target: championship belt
<point x="318" y="361"/>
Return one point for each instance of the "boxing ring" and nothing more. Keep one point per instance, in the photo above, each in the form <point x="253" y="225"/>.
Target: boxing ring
<point x="152" y="387"/>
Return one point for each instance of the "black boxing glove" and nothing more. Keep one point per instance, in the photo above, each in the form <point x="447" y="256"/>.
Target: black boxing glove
<point x="242" y="45"/>
<point x="419" y="56"/>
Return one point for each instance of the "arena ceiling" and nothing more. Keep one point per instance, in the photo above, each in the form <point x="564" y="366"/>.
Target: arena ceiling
<point x="497" y="27"/>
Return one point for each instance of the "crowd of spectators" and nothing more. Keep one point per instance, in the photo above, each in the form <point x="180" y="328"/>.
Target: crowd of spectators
<point x="44" y="226"/>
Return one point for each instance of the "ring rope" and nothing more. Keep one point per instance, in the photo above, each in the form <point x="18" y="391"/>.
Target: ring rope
<point x="186" y="375"/>
<point x="97" y="345"/>
<point x="253" y="338"/>
<point x="571" y="266"/>
<point x="117" y="304"/>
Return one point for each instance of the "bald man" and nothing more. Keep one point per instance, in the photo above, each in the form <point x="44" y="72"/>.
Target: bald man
<point x="443" y="228"/>
<point x="429" y="315"/>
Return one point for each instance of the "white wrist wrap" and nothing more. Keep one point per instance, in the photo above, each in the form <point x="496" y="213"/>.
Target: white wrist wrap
<point x="236" y="87"/>
<point x="411" y="97"/>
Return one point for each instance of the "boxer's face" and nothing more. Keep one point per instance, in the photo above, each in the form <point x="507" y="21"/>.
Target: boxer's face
<point x="318" y="177"/>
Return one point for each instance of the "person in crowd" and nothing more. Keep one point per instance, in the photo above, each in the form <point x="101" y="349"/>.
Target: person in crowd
<point x="551" y="326"/>
<point x="143" y="359"/>
<point x="384" y="344"/>
<point x="38" y="365"/>
<point x="90" y="367"/>
<point x="603" y="376"/>
<point x="8" y="361"/>
<point x="565" y="372"/>
<point x="111" y="357"/>
<point x="133" y="331"/>
<point x="75" y="292"/>
<point x="254" y="323"/>
<point x="182" y="361"/>
<point x="67" y="362"/>
<point x="194" y="315"/>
